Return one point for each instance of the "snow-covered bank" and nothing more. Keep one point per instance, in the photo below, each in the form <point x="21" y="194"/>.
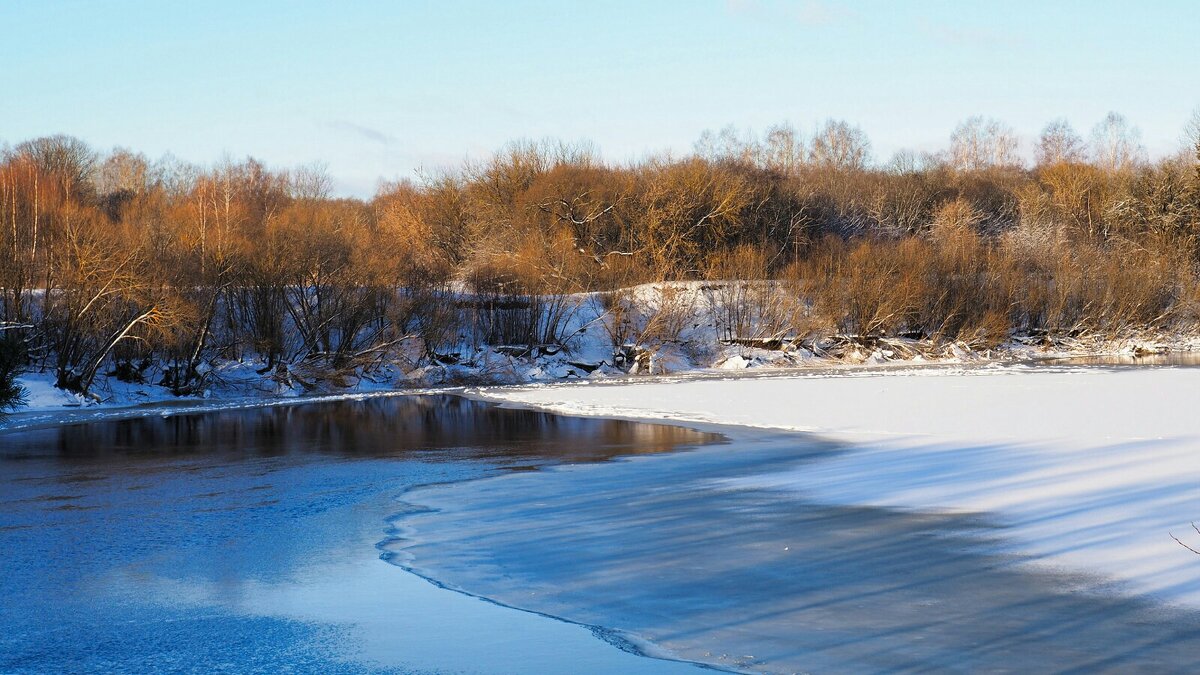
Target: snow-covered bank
<point x="48" y="406"/>
<point x="1090" y="469"/>
<point x="233" y="380"/>
<point x="667" y="328"/>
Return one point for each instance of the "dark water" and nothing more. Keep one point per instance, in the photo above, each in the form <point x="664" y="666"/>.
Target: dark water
<point x="246" y="541"/>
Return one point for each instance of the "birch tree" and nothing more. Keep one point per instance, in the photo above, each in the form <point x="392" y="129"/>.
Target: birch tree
<point x="1117" y="145"/>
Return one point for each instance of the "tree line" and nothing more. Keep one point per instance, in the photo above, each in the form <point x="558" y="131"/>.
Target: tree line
<point x="112" y="263"/>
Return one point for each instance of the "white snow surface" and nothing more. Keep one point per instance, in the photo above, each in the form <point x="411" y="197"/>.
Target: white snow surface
<point x="41" y="394"/>
<point x="1087" y="470"/>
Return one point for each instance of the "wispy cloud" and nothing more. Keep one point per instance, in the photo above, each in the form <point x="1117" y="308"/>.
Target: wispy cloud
<point x="815" y="13"/>
<point x="364" y="132"/>
<point x="806" y="12"/>
<point x="744" y="6"/>
<point x="971" y="36"/>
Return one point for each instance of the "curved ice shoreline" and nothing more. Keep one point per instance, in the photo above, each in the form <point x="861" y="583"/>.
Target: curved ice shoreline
<point x="51" y="407"/>
<point x="393" y="550"/>
<point x="1091" y="469"/>
<point x="748" y="579"/>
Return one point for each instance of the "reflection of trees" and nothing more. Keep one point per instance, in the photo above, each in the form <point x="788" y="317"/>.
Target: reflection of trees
<point x="381" y="427"/>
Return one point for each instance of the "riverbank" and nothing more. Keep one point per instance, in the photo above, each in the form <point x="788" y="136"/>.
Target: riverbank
<point x="674" y="329"/>
<point x="241" y="384"/>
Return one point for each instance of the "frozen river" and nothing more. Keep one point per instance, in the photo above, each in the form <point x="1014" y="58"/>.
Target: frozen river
<point x="304" y="537"/>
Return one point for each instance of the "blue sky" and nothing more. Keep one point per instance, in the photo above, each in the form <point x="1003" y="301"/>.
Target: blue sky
<point x="384" y="89"/>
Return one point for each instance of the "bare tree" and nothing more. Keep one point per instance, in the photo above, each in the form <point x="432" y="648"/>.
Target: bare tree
<point x="311" y="182"/>
<point x="101" y="299"/>
<point x="728" y="145"/>
<point x="983" y="143"/>
<point x="1116" y="145"/>
<point x="67" y="158"/>
<point x="122" y="171"/>
<point x="1060" y="143"/>
<point x="1192" y="134"/>
<point x="687" y="209"/>
<point x="838" y="145"/>
<point x="905" y="161"/>
<point x="783" y="150"/>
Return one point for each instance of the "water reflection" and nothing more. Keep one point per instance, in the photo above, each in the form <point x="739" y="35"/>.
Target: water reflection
<point x="383" y="427"/>
<point x="1168" y="359"/>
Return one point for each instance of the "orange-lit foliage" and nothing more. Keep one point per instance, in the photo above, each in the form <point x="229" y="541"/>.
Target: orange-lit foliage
<point x="119" y="262"/>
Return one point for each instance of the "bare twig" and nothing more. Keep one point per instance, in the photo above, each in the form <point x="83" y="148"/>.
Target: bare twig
<point x="1180" y="542"/>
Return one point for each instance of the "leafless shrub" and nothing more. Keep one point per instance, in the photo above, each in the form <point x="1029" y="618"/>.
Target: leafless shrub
<point x="648" y="318"/>
<point x="115" y="260"/>
<point x="743" y="298"/>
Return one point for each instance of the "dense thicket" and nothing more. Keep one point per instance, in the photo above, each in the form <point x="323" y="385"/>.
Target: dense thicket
<point x="111" y="263"/>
